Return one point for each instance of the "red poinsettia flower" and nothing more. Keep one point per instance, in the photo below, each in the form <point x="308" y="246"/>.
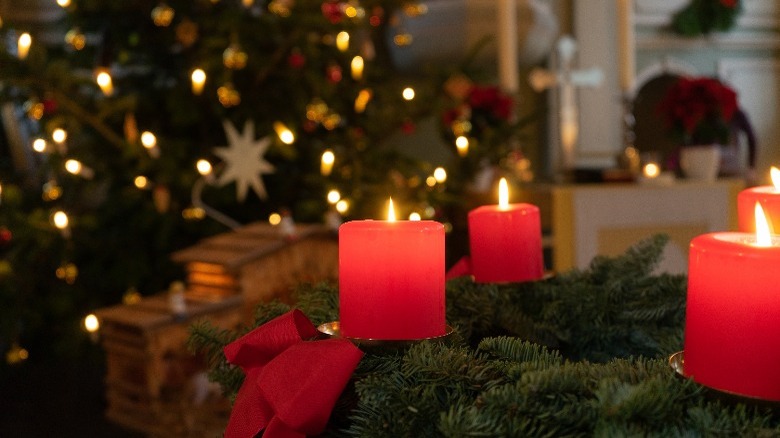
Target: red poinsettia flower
<point x="699" y="110"/>
<point x="491" y="101"/>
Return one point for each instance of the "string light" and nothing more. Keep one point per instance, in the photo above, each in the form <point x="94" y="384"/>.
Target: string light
<point x="357" y="68"/>
<point x="63" y="3"/>
<point x="23" y="45"/>
<point x="440" y="175"/>
<point x="198" y="81"/>
<point x="342" y="206"/>
<point x="76" y="39"/>
<point x="234" y="57"/>
<point x="274" y="219"/>
<point x="59" y="135"/>
<point x="430" y="181"/>
<point x="363" y="97"/>
<point x="342" y="41"/>
<point x="105" y="83"/>
<point x="91" y="323"/>
<point x="334" y="196"/>
<point x="77" y="168"/>
<point x="326" y="164"/>
<point x="284" y="133"/>
<point x="462" y="144"/>
<point x="141" y="182"/>
<point x="149" y="141"/>
<point x="162" y="15"/>
<point x="408" y="93"/>
<point x="61" y="221"/>
<point x="39" y="145"/>
<point x="204" y="167"/>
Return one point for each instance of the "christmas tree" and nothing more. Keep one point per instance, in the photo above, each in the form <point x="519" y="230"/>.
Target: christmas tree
<point x="140" y="127"/>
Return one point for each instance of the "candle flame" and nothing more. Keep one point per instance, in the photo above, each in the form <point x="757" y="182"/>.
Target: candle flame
<point x="391" y="212"/>
<point x="763" y="235"/>
<point x="503" y="194"/>
<point x="774" y="172"/>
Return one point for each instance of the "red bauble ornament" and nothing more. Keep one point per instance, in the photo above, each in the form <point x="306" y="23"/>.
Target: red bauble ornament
<point x="332" y="11"/>
<point x="5" y="236"/>
<point x="334" y="73"/>
<point x="408" y="127"/>
<point x="49" y="106"/>
<point x="296" y="60"/>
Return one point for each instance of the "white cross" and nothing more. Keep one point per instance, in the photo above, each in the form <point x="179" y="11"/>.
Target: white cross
<point x="567" y="79"/>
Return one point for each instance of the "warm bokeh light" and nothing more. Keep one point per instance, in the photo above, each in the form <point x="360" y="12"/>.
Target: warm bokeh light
<point x="763" y="233"/>
<point x="105" y="83"/>
<point x="342" y="206"/>
<point x="503" y="194"/>
<point x="326" y="164"/>
<point x="198" y="81"/>
<point x="462" y="144"/>
<point x="148" y="140"/>
<point x="357" y="68"/>
<point x="63" y="3"/>
<point x="651" y="170"/>
<point x="204" y="167"/>
<point x="362" y="99"/>
<point x="342" y="41"/>
<point x="440" y="175"/>
<point x="23" y="45"/>
<point x="91" y="323"/>
<point x="284" y="133"/>
<point x="59" y="135"/>
<point x="141" y="182"/>
<point x="414" y="216"/>
<point x="274" y="219"/>
<point x="334" y="196"/>
<point x="39" y="145"/>
<point x="73" y="166"/>
<point x="430" y="181"/>
<point x="408" y="93"/>
<point x="60" y="219"/>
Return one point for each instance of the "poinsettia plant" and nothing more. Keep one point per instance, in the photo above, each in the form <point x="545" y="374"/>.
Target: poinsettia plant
<point x="699" y="110"/>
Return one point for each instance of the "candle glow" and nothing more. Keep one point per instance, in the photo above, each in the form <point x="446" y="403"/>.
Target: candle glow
<point x="503" y="194"/>
<point x="357" y="68"/>
<point x="390" y="211"/>
<point x="763" y="235"/>
<point x="326" y="164"/>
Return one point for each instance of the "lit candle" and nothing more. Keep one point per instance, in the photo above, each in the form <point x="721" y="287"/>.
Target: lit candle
<point x="391" y="279"/>
<point x="768" y="196"/>
<point x="198" y="78"/>
<point x="732" y="335"/>
<point x="23" y="45"/>
<point x="505" y="241"/>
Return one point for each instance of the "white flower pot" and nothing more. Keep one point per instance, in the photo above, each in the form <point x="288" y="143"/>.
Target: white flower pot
<point x="700" y="162"/>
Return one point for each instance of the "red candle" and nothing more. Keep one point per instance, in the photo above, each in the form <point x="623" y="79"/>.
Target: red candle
<point x="391" y="279"/>
<point x="505" y="241"/>
<point x="768" y="196"/>
<point x="732" y="326"/>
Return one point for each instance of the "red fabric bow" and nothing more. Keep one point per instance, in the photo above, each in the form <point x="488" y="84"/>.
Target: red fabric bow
<point x="291" y="384"/>
<point x="461" y="268"/>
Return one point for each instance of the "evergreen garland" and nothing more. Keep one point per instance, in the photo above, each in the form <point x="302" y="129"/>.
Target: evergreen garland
<point x="581" y="354"/>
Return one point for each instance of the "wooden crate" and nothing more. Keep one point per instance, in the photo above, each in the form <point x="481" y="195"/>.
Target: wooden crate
<point x="150" y="374"/>
<point x="259" y="263"/>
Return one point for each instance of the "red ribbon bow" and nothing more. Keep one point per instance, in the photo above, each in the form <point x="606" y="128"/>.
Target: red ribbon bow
<point x="291" y="384"/>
